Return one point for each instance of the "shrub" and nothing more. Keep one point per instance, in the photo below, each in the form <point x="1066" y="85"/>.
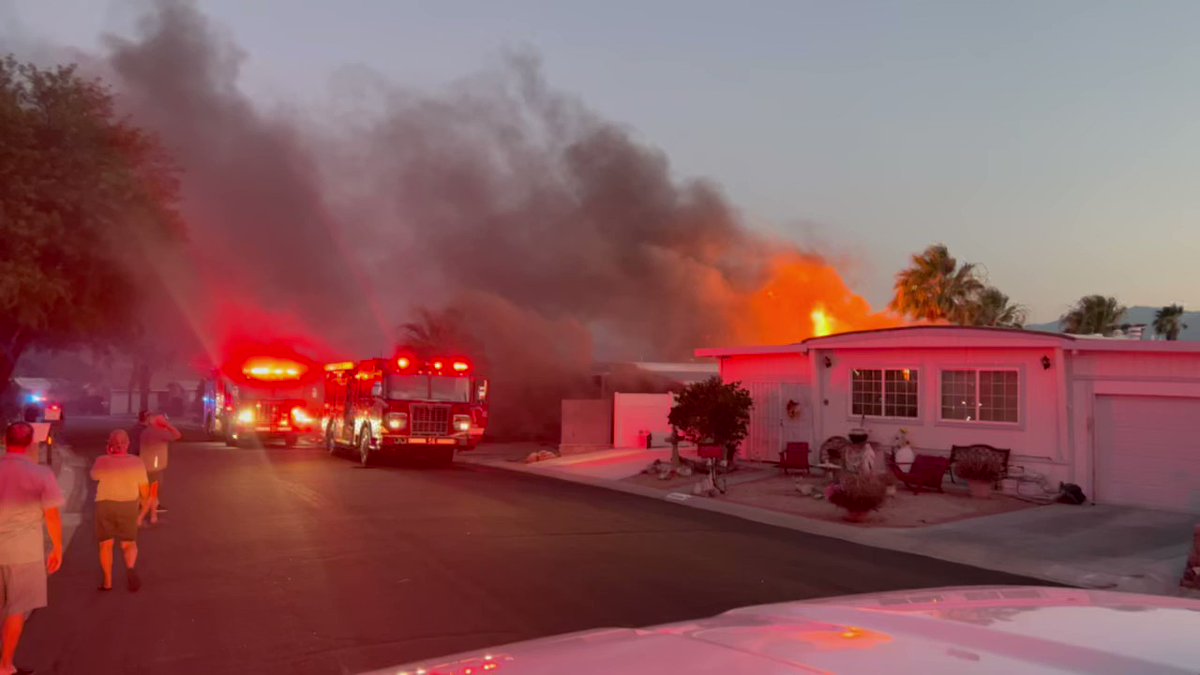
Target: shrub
<point x="979" y="464"/>
<point x="859" y="492"/>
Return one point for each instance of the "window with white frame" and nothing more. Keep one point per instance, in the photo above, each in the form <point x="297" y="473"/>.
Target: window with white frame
<point x="878" y="392"/>
<point x="980" y="396"/>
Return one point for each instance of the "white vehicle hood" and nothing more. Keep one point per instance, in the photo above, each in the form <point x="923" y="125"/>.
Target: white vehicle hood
<point x="995" y="629"/>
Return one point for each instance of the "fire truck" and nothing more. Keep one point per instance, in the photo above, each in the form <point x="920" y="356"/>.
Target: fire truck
<point x="258" y="399"/>
<point x="405" y="405"/>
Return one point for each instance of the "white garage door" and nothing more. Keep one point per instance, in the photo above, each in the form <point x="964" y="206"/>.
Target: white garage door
<point x="1148" y="452"/>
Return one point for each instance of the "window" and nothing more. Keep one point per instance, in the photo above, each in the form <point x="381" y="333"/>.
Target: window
<point x="980" y="396"/>
<point x="883" y="393"/>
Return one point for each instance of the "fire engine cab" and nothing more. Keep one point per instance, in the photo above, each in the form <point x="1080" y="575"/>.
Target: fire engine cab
<point x="404" y="405"/>
<point x="261" y="399"/>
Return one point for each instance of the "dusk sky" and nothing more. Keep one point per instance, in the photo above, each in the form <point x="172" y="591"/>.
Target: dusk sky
<point x="1057" y="143"/>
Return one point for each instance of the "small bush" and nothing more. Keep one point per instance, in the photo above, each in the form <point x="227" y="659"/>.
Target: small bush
<point x="859" y="492"/>
<point x="979" y="464"/>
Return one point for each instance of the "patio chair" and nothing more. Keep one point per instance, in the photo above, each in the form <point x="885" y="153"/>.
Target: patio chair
<point x="926" y="473"/>
<point x="794" y="456"/>
<point x="956" y="450"/>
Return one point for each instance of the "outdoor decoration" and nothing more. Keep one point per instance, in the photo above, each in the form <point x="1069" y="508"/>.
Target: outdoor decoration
<point x="793" y="409"/>
<point x="858" y="494"/>
<point x="981" y="469"/>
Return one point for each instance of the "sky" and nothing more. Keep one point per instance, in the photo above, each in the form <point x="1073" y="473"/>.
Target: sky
<point x="1054" y="142"/>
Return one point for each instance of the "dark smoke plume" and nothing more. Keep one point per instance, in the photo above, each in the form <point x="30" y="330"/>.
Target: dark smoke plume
<point x="551" y="230"/>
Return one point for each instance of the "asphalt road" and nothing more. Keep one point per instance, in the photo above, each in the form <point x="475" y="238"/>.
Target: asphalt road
<point x="292" y="561"/>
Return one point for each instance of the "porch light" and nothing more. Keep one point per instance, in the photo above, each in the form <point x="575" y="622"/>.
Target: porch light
<point x="1045" y="363"/>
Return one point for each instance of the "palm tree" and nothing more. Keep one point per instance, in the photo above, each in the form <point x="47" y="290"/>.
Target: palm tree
<point x="991" y="307"/>
<point x="936" y="288"/>
<point x="1093" y="314"/>
<point x="438" y="332"/>
<point x="1168" y="321"/>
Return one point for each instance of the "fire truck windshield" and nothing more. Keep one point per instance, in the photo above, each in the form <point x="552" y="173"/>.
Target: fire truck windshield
<point x="427" y="388"/>
<point x="452" y="389"/>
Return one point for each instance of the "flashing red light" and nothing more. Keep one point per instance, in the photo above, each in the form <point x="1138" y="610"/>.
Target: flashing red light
<point x="266" y="368"/>
<point x="461" y="366"/>
<point x="339" y="366"/>
<point x="403" y="362"/>
<point x="437" y="365"/>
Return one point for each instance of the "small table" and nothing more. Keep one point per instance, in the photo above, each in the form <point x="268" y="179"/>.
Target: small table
<point x="830" y="469"/>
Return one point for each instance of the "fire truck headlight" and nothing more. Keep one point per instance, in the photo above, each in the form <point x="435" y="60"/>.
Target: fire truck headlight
<point x="301" y="416"/>
<point x="396" y="421"/>
<point x="246" y="416"/>
<point x="462" y="422"/>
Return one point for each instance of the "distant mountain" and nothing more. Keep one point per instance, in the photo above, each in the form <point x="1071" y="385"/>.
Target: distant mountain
<point x="1141" y="315"/>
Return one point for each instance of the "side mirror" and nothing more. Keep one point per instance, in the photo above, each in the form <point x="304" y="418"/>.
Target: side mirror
<point x="481" y="391"/>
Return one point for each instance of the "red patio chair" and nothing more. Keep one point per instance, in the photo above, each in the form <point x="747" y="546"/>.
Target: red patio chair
<point x="926" y="473"/>
<point x="794" y="456"/>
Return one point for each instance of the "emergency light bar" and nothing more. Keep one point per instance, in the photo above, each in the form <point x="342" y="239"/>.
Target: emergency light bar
<point x="339" y="366"/>
<point x="269" y="369"/>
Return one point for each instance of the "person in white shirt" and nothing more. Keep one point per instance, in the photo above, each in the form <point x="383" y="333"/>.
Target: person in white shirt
<point x="122" y="501"/>
<point x="29" y="497"/>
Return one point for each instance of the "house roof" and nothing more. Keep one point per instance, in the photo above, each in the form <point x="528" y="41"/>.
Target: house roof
<point x="949" y="337"/>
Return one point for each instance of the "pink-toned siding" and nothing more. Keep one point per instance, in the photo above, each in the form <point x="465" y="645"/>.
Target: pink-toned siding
<point x="773" y="381"/>
<point x="1035" y="435"/>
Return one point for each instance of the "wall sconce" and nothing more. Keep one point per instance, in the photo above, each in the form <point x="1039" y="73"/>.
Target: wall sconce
<point x="828" y="362"/>
<point x="1045" y="363"/>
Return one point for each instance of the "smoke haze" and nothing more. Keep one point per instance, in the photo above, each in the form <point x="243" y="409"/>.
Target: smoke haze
<point x="551" y="229"/>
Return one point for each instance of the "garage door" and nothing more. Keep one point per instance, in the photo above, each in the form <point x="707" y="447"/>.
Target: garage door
<point x="1148" y="452"/>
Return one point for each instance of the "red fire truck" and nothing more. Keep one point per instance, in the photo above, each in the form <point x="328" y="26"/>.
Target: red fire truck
<point x="405" y="405"/>
<point x="258" y="399"/>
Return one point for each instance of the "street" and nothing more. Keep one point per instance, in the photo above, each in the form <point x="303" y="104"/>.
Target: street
<point x="292" y="561"/>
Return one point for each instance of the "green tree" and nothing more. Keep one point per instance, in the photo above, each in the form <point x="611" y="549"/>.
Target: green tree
<point x="713" y="412"/>
<point x="81" y="191"/>
<point x="991" y="307"/>
<point x="1092" y="315"/>
<point x="935" y="287"/>
<point x="1168" y="321"/>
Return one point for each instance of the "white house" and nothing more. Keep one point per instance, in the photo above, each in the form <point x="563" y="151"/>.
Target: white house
<point x="1118" y="417"/>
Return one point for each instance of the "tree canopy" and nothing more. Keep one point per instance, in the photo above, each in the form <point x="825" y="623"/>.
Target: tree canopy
<point x="1168" y="322"/>
<point x="936" y="287"/>
<point x="1093" y="315"/>
<point x="82" y="194"/>
<point x="714" y="412"/>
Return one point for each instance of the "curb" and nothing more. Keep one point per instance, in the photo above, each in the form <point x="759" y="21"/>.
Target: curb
<point x="885" y="538"/>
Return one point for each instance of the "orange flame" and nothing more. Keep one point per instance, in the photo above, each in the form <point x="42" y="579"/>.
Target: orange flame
<point x="804" y="297"/>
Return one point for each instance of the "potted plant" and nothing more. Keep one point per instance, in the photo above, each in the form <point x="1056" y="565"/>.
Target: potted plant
<point x="858" y="494"/>
<point x="981" y="469"/>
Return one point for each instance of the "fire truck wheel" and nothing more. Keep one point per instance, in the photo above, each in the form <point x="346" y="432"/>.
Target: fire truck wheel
<point x="290" y="441"/>
<point x="230" y="441"/>
<point x="365" y="456"/>
<point x="443" y="456"/>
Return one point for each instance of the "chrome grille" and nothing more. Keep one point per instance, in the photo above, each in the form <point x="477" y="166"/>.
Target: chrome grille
<point x="430" y="420"/>
<point x="270" y="413"/>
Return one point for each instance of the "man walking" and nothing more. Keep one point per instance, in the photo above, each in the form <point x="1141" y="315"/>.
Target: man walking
<point x="122" y="482"/>
<point x="155" y="438"/>
<point x="29" y="496"/>
<point x="135" y="433"/>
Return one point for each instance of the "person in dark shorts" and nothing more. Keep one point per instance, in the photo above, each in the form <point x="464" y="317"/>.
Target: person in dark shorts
<point x="29" y="497"/>
<point x="122" y="501"/>
<point x="156" y="438"/>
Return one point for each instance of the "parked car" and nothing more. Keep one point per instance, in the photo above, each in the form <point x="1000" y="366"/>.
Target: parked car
<point x="1001" y="629"/>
